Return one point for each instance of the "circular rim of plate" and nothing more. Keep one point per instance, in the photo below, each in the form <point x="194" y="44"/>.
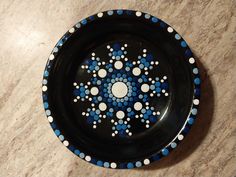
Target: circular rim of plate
<point x="188" y="123"/>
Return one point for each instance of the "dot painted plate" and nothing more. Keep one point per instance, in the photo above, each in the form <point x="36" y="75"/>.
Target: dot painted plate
<point x="121" y="89"/>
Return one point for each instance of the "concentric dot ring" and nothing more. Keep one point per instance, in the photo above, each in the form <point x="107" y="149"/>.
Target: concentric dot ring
<point x="173" y="144"/>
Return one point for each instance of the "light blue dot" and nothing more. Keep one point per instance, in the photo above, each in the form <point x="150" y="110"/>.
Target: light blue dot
<point x="195" y="71"/>
<point x="183" y="44"/>
<point x="57" y="132"/>
<point x="165" y="152"/>
<point x="154" y="20"/>
<point x="48" y="112"/>
<point x="194" y="111"/>
<point x="130" y="165"/>
<point x="45" y="81"/>
<point x="81" y="155"/>
<point x="78" y="25"/>
<point x="138" y="164"/>
<point x="87" y="91"/>
<point x="61" y="137"/>
<point x="197" y="81"/>
<point x="147" y="16"/>
<point x="152" y="87"/>
<point x="177" y="36"/>
<point x="173" y="145"/>
<point x="77" y="152"/>
<point x="110" y="12"/>
<point x="190" y="121"/>
<point x="106" y="164"/>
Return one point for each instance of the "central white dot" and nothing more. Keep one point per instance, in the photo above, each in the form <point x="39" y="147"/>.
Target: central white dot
<point x="119" y="89"/>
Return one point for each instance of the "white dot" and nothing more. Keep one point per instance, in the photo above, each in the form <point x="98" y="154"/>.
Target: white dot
<point x="113" y="165"/>
<point x="196" y="101"/>
<point x="88" y="158"/>
<point x="94" y="90"/>
<point x="44" y="88"/>
<point x="166" y="94"/>
<point x="113" y="134"/>
<point x="136" y="71"/>
<point x="180" y="137"/>
<point x="130" y="133"/>
<point x="170" y="30"/>
<point x="72" y="30"/>
<point x="145" y="87"/>
<point x="75" y="100"/>
<point x="102" y="106"/>
<point x="119" y="89"/>
<point x="94" y="126"/>
<point x="165" y="77"/>
<point x="100" y="14"/>
<point x="191" y="60"/>
<point x="51" y="57"/>
<point x="118" y="64"/>
<point x="146" y="161"/>
<point x="138" y="14"/>
<point x="144" y="50"/>
<point x="102" y="73"/>
<point x="50" y="118"/>
<point x="138" y="106"/>
<point x="66" y="143"/>
<point x="120" y="114"/>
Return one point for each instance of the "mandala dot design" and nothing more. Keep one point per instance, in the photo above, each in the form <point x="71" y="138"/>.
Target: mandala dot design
<point x="120" y="90"/>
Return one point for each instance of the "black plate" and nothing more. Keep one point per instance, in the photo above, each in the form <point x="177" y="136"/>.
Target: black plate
<point x="121" y="89"/>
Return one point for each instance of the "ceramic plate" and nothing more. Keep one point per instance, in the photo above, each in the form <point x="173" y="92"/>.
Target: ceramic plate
<point x="121" y="89"/>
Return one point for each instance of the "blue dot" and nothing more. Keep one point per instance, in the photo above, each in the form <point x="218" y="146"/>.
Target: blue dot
<point x="84" y="21"/>
<point x="45" y="105"/>
<point x="154" y="19"/>
<point x="119" y="12"/>
<point x="165" y="152"/>
<point x="197" y="81"/>
<point x="106" y="164"/>
<point x="194" y="111"/>
<point x="183" y="44"/>
<point x="77" y="152"/>
<point x="190" y="121"/>
<point x="57" y="132"/>
<point x="46" y="73"/>
<point x="130" y="165"/>
<point x="99" y="163"/>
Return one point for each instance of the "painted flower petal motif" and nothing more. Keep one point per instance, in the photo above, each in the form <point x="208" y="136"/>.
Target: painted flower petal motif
<point x="120" y="89"/>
